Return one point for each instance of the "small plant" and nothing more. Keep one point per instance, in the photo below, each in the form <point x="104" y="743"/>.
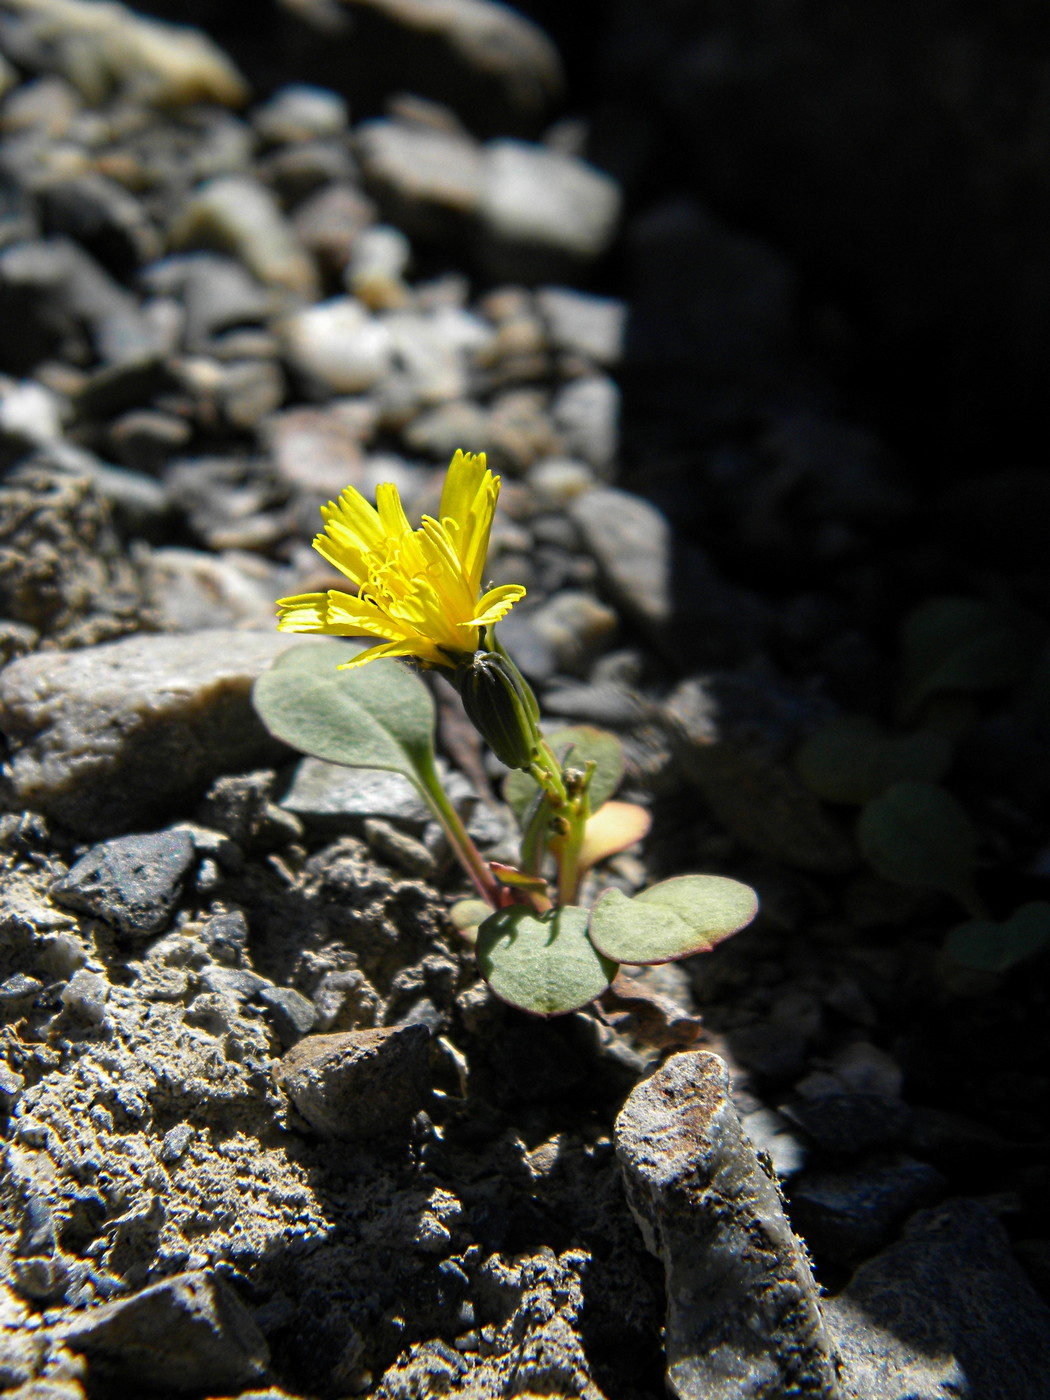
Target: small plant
<point x="419" y="591"/>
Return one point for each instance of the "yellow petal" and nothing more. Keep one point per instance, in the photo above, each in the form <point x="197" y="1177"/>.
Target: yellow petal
<point x="465" y="474"/>
<point x="496" y="603"/>
<point x="393" y="649"/>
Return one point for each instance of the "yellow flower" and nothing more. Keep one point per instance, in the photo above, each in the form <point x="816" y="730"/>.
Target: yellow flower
<point x="419" y="588"/>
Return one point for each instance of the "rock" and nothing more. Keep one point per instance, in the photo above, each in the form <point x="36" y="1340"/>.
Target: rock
<point x="104" y="739"/>
<point x="434" y="350"/>
<point x="103" y="218"/>
<point x="320" y="790"/>
<point x="743" y="1312"/>
<point x="542" y="213"/>
<point x="587" y="414"/>
<point x="576" y="627"/>
<point x="133" y="882"/>
<point x="300" y="112"/>
<point x="63" y="304"/>
<point x="190" y="589"/>
<point x="848" y="1214"/>
<point x="558" y="480"/>
<point x="583" y="323"/>
<point x="189" y="1332"/>
<point x="61" y="562"/>
<point x="337" y="346"/>
<point x="329" y="222"/>
<point x="84" y="996"/>
<point x="771" y="1133"/>
<point x="670" y="589"/>
<point x="376" y="266"/>
<point x="101" y="47"/>
<point x="496" y="68"/>
<point x="850" y="1123"/>
<point x="237" y="215"/>
<point x="315" y="452"/>
<point x="292" y="1014"/>
<point x="946" y="1311"/>
<point x="359" y="1085"/>
<point x="427" y="181"/>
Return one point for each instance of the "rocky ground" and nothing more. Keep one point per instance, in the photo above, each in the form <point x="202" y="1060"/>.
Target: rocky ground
<point x="265" y="1132"/>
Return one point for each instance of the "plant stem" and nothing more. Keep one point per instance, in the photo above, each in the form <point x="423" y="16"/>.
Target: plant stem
<point x="459" y="838"/>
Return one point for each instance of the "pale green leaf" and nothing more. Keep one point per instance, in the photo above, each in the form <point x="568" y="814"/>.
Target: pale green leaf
<point x="689" y="914"/>
<point x="381" y="716"/>
<point x="542" y="963"/>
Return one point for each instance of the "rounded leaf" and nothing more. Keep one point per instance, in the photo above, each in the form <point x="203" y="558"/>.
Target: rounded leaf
<point x="689" y="914"/>
<point x="587" y="745"/>
<point x="542" y="963"/>
<point x="381" y="716"/>
<point x="853" y="760"/>
<point x="955" y="643"/>
<point x="992" y="947"/>
<point x="918" y="834"/>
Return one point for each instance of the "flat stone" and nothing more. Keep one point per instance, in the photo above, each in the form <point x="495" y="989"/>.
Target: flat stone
<point x="321" y="789"/>
<point x="542" y="211"/>
<point x="133" y="882"/>
<point x="427" y="180"/>
<point x="947" y="1311"/>
<point x="743" y="1312"/>
<point x="189" y="1333"/>
<point x="586" y="324"/>
<point x="106" y="738"/>
<point x="357" y="1085"/>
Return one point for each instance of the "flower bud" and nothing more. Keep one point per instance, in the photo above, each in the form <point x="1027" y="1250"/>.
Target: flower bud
<point x="500" y="706"/>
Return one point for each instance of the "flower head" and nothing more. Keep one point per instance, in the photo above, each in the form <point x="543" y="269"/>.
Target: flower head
<point x="421" y="589"/>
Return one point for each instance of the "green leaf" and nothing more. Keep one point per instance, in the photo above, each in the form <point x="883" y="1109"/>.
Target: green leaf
<point x="673" y="919"/>
<point x="991" y="947"/>
<point x="542" y="963"/>
<point x="959" y="644"/>
<point x="853" y="759"/>
<point x="466" y="914"/>
<point x="381" y="716"/>
<point x="588" y="744"/>
<point x="918" y="834"/>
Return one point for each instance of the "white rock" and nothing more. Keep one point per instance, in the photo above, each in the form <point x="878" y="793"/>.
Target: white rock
<point x="339" y="345"/>
<point x="238" y="215"/>
<point x="535" y="196"/>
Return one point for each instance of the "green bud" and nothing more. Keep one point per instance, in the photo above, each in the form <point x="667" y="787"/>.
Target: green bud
<point x="500" y="706"/>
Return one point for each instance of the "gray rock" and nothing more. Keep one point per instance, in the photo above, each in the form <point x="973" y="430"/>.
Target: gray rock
<point x="236" y="214"/>
<point x="85" y="995"/>
<point x="848" y="1214"/>
<point x="217" y="292"/>
<point x="102" y="217"/>
<point x="106" y="738"/>
<point x="743" y="1316"/>
<point x="542" y="213"/>
<point x="946" y="1311"/>
<point x="17" y="990"/>
<point x="321" y="789"/>
<point x="237" y="983"/>
<point x="427" y="181"/>
<point x="586" y="412"/>
<point x="359" y="1085"/>
<point x="188" y="1333"/>
<point x="583" y="323"/>
<point x="62" y="303"/>
<point x="191" y="589"/>
<point x="292" y="1014"/>
<point x="850" y="1123"/>
<point x="667" y="587"/>
<point x="133" y="882"/>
